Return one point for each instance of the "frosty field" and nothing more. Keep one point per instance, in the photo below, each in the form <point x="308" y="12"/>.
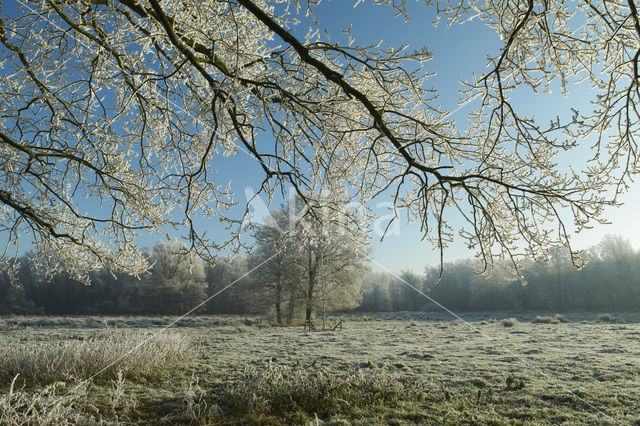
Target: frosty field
<point x="400" y="368"/>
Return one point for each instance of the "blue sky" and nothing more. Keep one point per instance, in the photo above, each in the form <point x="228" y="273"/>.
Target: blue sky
<point x="458" y="52"/>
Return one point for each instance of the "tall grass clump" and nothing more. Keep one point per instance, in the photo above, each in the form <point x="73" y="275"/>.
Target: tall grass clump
<point x="561" y="318"/>
<point x="277" y="389"/>
<point x="543" y="320"/>
<point x="606" y="318"/>
<point x="135" y="353"/>
<point x="48" y="406"/>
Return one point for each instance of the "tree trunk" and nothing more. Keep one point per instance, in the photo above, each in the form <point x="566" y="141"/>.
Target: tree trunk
<point x="278" y="301"/>
<point x="312" y="283"/>
<point x="292" y="303"/>
<point x="309" y="311"/>
<point x="310" y="298"/>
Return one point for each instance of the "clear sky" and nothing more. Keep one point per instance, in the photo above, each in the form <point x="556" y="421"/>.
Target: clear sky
<point x="458" y="52"/>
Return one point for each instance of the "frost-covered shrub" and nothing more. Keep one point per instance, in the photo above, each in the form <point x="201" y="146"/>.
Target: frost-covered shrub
<point x="542" y="320"/>
<point x="46" y="406"/>
<point x="509" y="322"/>
<point x="606" y="318"/>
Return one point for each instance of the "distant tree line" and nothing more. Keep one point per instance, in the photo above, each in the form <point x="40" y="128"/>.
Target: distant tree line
<point x="288" y="288"/>
<point x="610" y="281"/>
<point x="177" y="281"/>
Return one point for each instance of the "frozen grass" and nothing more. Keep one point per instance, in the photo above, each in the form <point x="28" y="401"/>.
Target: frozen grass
<point x="381" y="371"/>
<point x="302" y="393"/>
<point x="43" y="407"/>
<point x="139" y="353"/>
<point x="62" y="403"/>
<point x="119" y="321"/>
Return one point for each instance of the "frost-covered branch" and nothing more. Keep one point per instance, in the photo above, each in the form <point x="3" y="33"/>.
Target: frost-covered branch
<point x="128" y="106"/>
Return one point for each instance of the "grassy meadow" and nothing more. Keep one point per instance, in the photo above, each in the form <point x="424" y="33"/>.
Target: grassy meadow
<point x="396" y="368"/>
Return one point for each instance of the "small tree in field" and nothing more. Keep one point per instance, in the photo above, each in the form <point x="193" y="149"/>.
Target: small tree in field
<point x="316" y="256"/>
<point x="340" y="282"/>
<point x="331" y="256"/>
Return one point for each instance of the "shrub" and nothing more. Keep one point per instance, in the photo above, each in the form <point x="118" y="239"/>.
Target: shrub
<point x="509" y="322"/>
<point x="62" y="404"/>
<point x="135" y="353"/>
<point x="197" y="409"/>
<point x="606" y="318"/>
<point x="542" y="320"/>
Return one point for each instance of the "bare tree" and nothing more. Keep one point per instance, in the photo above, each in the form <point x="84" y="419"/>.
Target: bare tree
<point x="331" y="254"/>
<point x="314" y="255"/>
<point x="279" y="273"/>
<point x="176" y="281"/>
<point x="128" y="103"/>
<point x="340" y="271"/>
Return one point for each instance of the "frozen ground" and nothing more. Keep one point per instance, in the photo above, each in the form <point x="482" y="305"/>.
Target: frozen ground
<point x="382" y="368"/>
